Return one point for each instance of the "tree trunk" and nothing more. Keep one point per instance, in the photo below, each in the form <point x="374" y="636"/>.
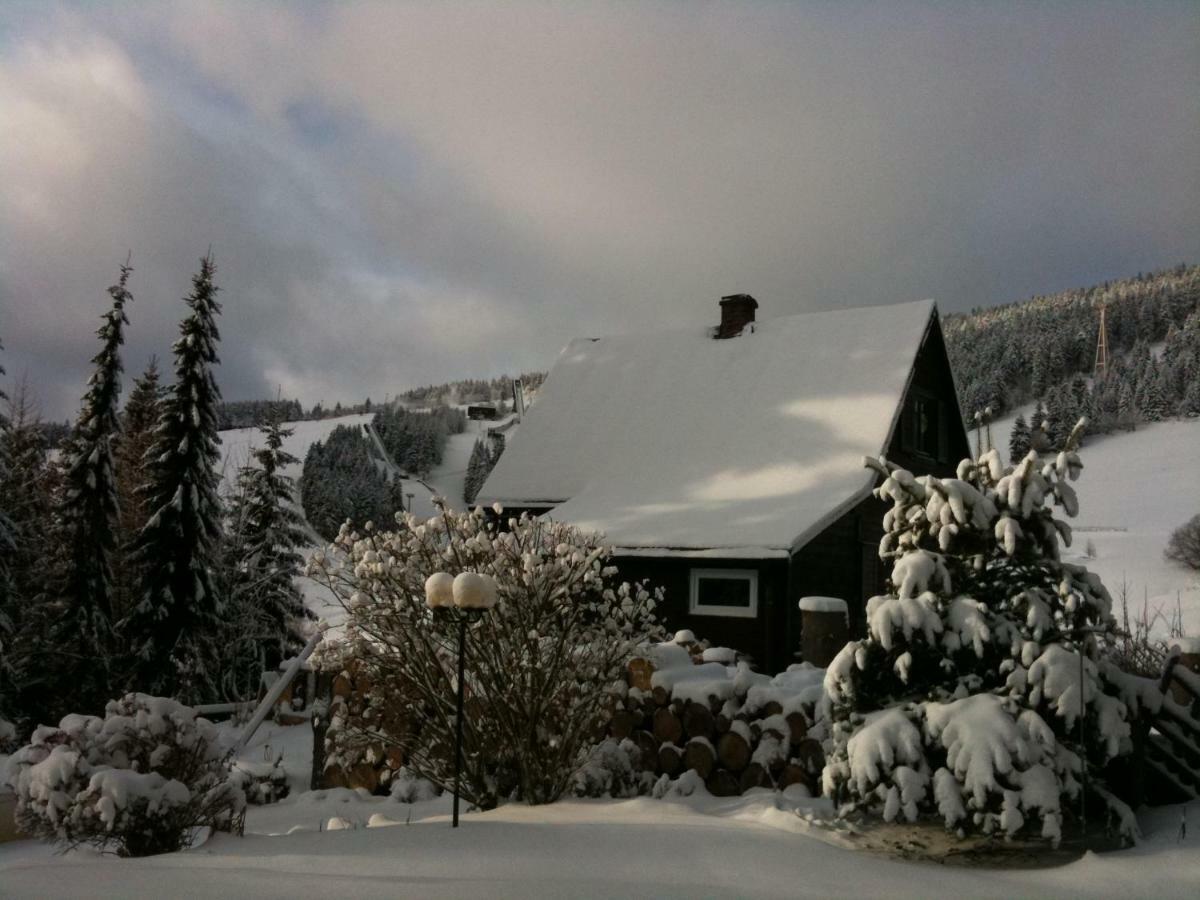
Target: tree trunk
<point x="698" y="721"/>
<point x="667" y="727"/>
<point x="733" y="751"/>
<point x="670" y="759"/>
<point x="649" y="750"/>
<point x="699" y="755"/>
<point x="722" y="784"/>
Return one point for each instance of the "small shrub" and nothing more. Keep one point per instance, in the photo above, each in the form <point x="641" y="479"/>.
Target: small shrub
<point x="1184" y="544"/>
<point x="261" y="782"/>
<point x="139" y="780"/>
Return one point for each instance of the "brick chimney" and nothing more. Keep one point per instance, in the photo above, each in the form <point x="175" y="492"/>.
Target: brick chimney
<point x="737" y="311"/>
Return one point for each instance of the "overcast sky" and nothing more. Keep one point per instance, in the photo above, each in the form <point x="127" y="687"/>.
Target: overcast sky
<point x="404" y="193"/>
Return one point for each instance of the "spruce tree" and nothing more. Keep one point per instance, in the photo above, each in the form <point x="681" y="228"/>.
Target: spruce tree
<point x="89" y="509"/>
<point x="30" y="655"/>
<point x="964" y="698"/>
<point x="1127" y="413"/>
<point x="178" y="612"/>
<point x="1019" y="441"/>
<point x="137" y="436"/>
<point x="265" y="563"/>
<point x="8" y="547"/>
<point x="1154" y="405"/>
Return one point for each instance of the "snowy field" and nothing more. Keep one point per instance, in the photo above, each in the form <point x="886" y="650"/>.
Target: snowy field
<point x="760" y="845"/>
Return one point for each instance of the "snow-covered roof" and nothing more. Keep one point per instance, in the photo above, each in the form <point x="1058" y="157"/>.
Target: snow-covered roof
<point x="746" y="446"/>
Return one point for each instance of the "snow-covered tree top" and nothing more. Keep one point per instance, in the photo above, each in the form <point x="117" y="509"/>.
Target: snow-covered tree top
<point x="673" y="439"/>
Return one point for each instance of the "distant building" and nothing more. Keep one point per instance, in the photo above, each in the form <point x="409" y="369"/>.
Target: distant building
<point x="482" y="411"/>
<point x="726" y="464"/>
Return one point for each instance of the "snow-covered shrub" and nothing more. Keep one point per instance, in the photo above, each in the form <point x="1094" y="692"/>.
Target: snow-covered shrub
<point x="408" y="787"/>
<point x="964" y="698"/>
<point x="261" y="782"/>
<point x="140" y="779"/>
<point x="542" y="666"/>
<point x="611" y="771"/>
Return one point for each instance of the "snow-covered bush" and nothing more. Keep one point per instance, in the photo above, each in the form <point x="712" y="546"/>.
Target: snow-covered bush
<point x="140" y="779"/>
<point x="408" y="787"/>
<point x="965" y="697"/>
<point x="542" y="665"/>
<point x="261" y="782"/>
<point x="611" y="771"/>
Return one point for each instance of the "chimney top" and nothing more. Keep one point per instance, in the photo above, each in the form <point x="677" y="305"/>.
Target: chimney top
<point x="737" y="311"/>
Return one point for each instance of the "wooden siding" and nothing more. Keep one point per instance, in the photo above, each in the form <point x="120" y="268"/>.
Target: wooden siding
<point x="753" y="636"/>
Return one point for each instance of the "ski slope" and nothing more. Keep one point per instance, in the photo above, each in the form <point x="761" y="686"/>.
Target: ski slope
<point x="238" y="443"/>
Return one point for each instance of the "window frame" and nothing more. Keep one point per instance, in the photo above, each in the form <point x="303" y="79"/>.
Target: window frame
<point x="908" y="425"/>
<point x="696" y="608"/>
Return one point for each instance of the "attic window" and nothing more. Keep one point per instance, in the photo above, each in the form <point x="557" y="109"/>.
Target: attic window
<point x="724" y="592"/>
<point x="923" y="426"/>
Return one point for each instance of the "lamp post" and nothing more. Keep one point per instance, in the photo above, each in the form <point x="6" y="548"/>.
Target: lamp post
<point x="461" y="599"/>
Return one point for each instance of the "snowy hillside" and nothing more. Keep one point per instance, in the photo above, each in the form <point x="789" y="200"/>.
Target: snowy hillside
<point x="237" y="444"/>
<point x="446" y="480"/>
<point x="1136" y="488"/>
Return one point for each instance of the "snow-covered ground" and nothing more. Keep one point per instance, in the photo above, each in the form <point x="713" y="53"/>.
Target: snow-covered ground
<point x="762" y="844"/>
<point x="1136" y="488"/>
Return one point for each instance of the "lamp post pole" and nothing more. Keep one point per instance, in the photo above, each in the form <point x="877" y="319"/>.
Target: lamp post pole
<point x="458" y="718"/>
<point x="462" y="599"/>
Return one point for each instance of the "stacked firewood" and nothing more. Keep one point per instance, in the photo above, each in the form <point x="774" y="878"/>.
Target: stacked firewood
<point x="349" y="757"/>
<point x="732" y="743"/>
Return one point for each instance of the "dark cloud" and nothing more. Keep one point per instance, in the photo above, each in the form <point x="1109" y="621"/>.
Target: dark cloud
<point x="402" y="194"/>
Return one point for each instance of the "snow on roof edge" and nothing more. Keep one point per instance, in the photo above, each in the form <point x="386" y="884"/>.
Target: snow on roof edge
<point x="704" y="552"/>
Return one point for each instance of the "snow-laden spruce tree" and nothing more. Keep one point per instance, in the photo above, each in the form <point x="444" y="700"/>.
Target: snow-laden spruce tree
<point x="964" y="699"/>
<point x="264" y="531"/>
<point x="89" y="509"/>
<point x="541" y="666"/>
<point x="178" y="612"/>
<point x="138" y="421"/>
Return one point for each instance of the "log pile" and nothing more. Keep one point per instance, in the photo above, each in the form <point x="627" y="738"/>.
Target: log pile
<point x="731" y="742"/>
<point x="353" y="709"/>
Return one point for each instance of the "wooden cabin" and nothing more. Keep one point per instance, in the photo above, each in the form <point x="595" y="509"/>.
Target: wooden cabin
<point x="726" y="464"/>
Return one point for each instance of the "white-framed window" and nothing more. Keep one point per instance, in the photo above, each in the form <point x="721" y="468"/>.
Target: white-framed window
<point x="724" y="592"/>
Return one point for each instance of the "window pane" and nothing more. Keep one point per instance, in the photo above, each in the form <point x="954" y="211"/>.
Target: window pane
<point x="734" y="592"/>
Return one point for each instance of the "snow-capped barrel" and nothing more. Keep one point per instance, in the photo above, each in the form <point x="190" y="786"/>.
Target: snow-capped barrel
<point x="824" y="628"/>
<point x="737" y="311"/>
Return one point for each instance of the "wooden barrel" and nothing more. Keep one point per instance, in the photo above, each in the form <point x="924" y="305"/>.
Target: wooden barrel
<point x="824" y="629"/>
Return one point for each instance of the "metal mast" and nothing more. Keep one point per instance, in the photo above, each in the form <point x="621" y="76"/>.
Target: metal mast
<point x="1102" y="344"/>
